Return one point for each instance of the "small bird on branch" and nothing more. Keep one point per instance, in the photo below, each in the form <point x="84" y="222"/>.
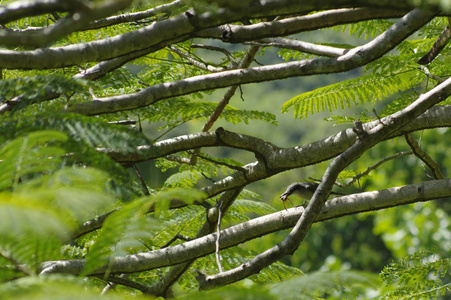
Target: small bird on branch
<point x="305" y="190"/>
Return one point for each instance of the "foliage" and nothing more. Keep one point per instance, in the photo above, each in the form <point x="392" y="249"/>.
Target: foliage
<point x="367" y="88"/>
<point x="417" y="276"/>
<point x="39" y="212"/>
<point x="71" y="190"/>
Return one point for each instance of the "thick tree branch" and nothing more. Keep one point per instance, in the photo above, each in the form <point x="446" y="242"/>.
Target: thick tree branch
<point x="133" y="17"/>
<point x="22" y="9"/>
<point x="78" y="19"/>
<point x="277" y="159"/>
<point x="301" y="23"/>
<point x="158" y="34"/>
<point x="247" y="33"/>
<point x="354" y="58"/>
<point x="282" y="27"/>
<point x="334" y="208"/>
<point x="322" y="20"/>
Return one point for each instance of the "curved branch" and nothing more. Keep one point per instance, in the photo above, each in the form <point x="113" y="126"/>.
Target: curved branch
<point x="235" y="235"/>
<point x="22" y="9"/>
<point x="324" y="20"/>
<point x="283" y="27"/>
<point x="177" y="28"/>
<point x="133" y="17"/>
<point x="80" y="17"/>
<point x="275" y="159"/>
<point x="426" y="158"/>
<point x="278" y="159"/>
<point x="352" y="59"/>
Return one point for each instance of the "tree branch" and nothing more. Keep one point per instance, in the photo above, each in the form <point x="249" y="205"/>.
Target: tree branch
<point x="282" y="158"/>
<point x="22" y="9"/>
<point x="424" y="157"/>
<point x="157" y="35"/>
<point x="301" y="46"/>
<point x="334" y="208"/>
<point x="354" y="58"/>
<point x="242" y="33"/>
<point x="78" y="19"/>
<point x="277" y="159"/>
<point x="133" y="17"/>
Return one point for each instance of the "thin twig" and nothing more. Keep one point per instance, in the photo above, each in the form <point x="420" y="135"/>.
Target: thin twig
<point x="19" y="267"/>
<point x="300" y="46"/>
<point x="123" y="122"/>
<point x="134" y="17"/>
<point x="430" y="75"/>
<point x="421" y="154"/>
<point x="375" y="166"/>
<point x="113" y="280"/>
<point x="141" y="180"/>
<point x="195" y="62"/>
<point x="218" y="236"/>
<point x="438" y="46"/>
<point x="178" y="236"/>
<point x="219" y="49"/>
<point x="247" y="60"/>
<point x="237" y="168"/>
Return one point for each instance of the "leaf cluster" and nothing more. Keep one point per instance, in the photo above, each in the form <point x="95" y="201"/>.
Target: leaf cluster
<point x="418" y="276"/>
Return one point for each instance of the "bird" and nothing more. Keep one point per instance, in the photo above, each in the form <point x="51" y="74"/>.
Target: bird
<point x="304" y="190"/>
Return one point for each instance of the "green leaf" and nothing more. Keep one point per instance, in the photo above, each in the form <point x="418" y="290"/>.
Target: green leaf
<point x="183" y="179"/>
<point x="338" y="284"/>
<point x="345" y="94"/>
<point x="417" y="276"/>
<point x="121" y="232"/>
<point x="34" y="153"/>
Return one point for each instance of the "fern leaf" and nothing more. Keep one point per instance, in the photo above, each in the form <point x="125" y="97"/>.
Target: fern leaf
<point x="32" y="231"/>
<point x="32" y="89"/>
<point x="367" y="88"/>
<point x="93" y="132"/>
<point x="85" y="135"/>
<point x="250" y="206"/>
<point x="417" y="276"/>
<point x="121" y="231"/>
<point x="341" y="284"/>
<point x="175" y="111"/>
<point x="54" y="287"/>
<point x="78" y="193"/>
<point x="367" y="29"/>
<point x="183" y="179"/>
<point x="31" y="154"/>
<point x="126" y="229"/>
